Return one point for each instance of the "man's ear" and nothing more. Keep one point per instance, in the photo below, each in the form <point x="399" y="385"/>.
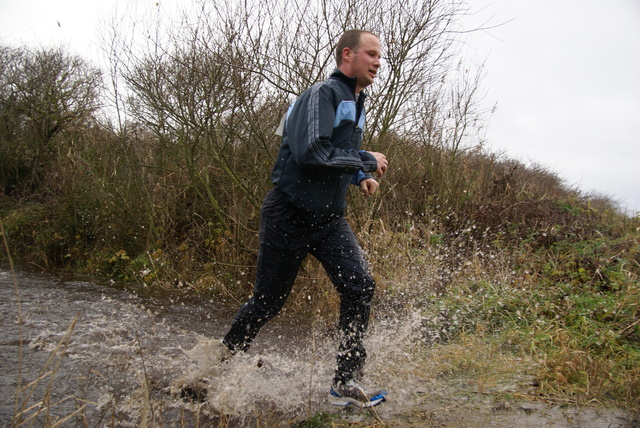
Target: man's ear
<point x="346" y="54"/>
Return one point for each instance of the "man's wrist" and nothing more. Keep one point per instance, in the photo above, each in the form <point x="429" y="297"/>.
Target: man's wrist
<point x="369" y="162"/>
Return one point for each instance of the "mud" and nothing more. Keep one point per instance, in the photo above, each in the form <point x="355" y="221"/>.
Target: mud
<point x="91" y="354"/>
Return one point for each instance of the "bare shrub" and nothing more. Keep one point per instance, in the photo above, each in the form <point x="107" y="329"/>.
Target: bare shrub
<point x="44" y="94"/>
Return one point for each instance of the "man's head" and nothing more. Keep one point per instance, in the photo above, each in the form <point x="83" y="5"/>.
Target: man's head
<point x="358" y="55"/>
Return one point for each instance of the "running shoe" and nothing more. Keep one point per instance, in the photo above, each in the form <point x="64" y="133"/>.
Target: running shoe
<point x="352" y="393"/>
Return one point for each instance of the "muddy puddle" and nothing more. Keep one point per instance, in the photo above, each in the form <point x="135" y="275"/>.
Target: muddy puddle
<point x="77" y="353"/>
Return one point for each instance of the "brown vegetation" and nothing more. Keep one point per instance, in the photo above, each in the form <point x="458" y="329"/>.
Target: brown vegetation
<point x="167" y="191"/>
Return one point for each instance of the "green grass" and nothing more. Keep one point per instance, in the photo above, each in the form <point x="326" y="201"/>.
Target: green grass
<point x="582" y="322"/>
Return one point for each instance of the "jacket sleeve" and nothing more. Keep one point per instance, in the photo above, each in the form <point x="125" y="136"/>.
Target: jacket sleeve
<point x="358" y="176"/>
<point x="309" y="130"/>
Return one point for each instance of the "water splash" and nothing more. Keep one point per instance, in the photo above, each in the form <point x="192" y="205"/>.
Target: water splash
<point x="128" y="356"/>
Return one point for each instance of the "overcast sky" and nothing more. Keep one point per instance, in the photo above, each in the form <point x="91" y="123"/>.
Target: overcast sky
<point x="564" y="75"/>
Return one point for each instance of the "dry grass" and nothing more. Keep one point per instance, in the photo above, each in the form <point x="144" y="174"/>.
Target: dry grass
<point x="504" y="260"/>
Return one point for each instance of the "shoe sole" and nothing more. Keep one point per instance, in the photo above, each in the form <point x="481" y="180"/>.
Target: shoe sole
<point x="337" y="400"/>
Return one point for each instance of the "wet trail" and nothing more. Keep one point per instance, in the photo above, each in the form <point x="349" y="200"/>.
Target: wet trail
<point x="112" y="356"/>
<point x="100" y="356"/>
<point x="87" y="344"/>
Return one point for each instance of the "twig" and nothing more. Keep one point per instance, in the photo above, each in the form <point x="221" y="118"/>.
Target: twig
<point x="147" y="388"/>
<point x="629" y="327"/>
<point x="60" y="422"/>
<point x="374" y="413"/>
<point x="19" y="304"/>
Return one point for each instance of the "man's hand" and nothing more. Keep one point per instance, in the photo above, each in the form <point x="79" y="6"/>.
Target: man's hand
<point x="382" y="163"/>
<point x="368" y="186"/>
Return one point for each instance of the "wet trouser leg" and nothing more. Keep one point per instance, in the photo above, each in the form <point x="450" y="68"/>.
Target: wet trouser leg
<point x="285" y="240"/>
<point x="345" y="263"/>
<point x="279" y="259"/>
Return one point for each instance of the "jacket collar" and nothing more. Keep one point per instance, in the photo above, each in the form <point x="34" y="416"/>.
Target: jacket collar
<point x="351" y="82"/>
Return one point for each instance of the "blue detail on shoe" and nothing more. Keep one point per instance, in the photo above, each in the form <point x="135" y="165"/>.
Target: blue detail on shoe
<point x="338" y="400"/>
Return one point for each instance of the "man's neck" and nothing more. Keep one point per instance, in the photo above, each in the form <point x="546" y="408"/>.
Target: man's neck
<point x="357" y="88"/>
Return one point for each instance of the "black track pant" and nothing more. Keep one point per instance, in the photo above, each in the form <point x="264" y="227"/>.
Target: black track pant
<point x="285" y="240"/>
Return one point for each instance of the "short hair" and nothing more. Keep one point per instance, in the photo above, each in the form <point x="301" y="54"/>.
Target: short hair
<point x="350" y="39"/>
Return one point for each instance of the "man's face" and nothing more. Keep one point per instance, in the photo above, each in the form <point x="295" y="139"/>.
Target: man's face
<point x="365" y="60"/>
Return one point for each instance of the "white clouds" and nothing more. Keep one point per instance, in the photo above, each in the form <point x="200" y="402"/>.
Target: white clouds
<point x="565" y="76"/>
<point x="70" y="23"/>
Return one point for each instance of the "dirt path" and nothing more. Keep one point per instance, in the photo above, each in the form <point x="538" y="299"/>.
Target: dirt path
<point x="121" y="362"/>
